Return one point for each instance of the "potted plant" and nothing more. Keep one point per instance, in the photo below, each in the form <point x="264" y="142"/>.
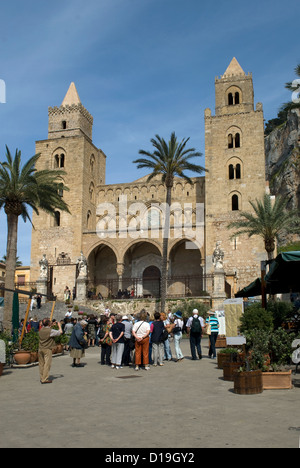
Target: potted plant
<point x="30" y="343"/>
<point x="277" y="375"/>
<point x="229" y="355"/>
<point x="270" y="352"/>
<point x="248" y="381"/>
<point x="61" y="341"/>
<point x="234" y="361"/>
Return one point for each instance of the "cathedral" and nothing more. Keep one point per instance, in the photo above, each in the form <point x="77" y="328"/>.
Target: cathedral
<point x="116" y="231"/>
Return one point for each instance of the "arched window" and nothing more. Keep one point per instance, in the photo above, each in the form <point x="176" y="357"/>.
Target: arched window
<point x="235" y="203"/>
<point x="234" y="139"/>
<point x="57" y="219"/>
<point x="234" y="96"/>
<point x="238" y="171"/>
<point x="92" y="192"/>
<point x="231" y="172"/>
<point x="92" y="163"/>
<point x="59" y="161"/>
<point x="64" y="124"/>
<point x="88" y="220"/>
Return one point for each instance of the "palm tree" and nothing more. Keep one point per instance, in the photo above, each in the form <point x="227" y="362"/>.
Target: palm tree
<point x="18" y="262"/>
<point x="168" y="160"/>
<point x="294" y="87"/>
<point x="20" y="188"/>
<point x="269" y="220"/>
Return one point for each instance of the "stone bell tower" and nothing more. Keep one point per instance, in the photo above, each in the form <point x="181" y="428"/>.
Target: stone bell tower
<point x="69" y="148"/>
<point x="235" y="159"/>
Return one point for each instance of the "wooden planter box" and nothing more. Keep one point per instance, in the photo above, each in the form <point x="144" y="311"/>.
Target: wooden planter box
<point x="248" y="383"/>
<point x="277" y="380"/>
<point x="221" y="342"/>
<point x="228" y="370"/>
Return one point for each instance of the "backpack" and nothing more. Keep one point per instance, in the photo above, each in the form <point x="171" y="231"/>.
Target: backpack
<point x="196" y="326"/>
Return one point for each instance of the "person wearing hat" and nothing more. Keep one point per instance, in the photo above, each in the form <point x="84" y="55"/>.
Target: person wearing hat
<point x="177" y="334"/>
<point x="213" y="321"/>
<point x="194" y="329"/>
<point x="78" y="343"/>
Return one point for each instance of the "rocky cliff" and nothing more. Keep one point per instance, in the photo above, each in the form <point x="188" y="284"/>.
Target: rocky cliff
<point x="282" y="148"/>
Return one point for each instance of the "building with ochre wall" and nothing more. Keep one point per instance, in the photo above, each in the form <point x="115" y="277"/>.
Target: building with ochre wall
<point x="119" y="228"/>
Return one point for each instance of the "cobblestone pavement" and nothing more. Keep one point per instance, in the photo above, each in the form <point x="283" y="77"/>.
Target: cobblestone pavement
<point x="180" y="405"/>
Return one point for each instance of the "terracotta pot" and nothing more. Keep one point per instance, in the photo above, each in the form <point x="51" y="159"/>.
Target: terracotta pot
<point x="22" y="357"/>
<point x="248" y="383"/>
<point x="277" y="380"/>
<point x="59" y="349"/>
<point x="34" y="356"/>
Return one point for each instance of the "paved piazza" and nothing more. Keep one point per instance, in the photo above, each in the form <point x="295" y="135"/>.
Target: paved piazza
<point x="180" y="405"/>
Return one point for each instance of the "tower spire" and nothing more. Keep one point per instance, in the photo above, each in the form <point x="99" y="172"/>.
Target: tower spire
<point x="71" y="97"/>
<point x="234" y="69"/>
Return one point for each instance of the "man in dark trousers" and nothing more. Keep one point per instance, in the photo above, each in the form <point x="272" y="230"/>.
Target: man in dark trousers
<point x="194" y="329"/>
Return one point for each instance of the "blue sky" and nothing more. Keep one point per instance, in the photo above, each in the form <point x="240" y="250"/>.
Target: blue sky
<point x="141" y="67"/>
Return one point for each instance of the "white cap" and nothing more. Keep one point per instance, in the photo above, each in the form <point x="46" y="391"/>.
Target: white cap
<point x="195" y="311"/>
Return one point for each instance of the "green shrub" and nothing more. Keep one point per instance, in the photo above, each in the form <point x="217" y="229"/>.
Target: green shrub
<point x="256" y="317"/>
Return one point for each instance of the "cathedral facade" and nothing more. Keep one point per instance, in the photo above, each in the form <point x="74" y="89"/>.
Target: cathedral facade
<point x="119" y="228"/>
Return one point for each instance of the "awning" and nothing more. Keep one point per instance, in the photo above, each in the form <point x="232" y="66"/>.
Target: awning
<point x="284" y="273"/>
<point x="252" y="290"/>
<point x="283" y="277"/>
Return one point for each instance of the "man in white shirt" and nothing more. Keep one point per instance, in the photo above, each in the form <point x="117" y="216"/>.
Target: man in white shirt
<point x="194" y="329"/>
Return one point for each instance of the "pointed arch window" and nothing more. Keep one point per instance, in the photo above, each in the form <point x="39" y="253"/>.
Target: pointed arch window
<point x="235" y="202"/>
<point x="59" y="161"/>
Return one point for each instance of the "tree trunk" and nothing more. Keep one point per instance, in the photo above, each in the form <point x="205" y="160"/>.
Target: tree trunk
<point x="11" y="256"/>
<point x="166" y="233"/>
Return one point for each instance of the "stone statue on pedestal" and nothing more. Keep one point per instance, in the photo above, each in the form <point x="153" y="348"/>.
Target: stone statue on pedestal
<point x="44" y="268"/>
<point x="218" y="257"/>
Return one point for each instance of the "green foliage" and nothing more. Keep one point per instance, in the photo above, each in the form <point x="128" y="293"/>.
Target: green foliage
<point x="7" y="338"/>
<point x="21" y="187"/>
<point x="188" y="307"/>
<point x="31" y="341"/>
<point x="256" y="317"/>
<point x="268" y="220"/>
<point x="281" y="311"/>
<point x="275" y="123"/>
<point x="269" y="350"/>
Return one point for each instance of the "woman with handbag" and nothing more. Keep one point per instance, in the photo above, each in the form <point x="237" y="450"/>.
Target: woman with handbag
<point x="177" y="333"/>
<point x="212" y="329"/>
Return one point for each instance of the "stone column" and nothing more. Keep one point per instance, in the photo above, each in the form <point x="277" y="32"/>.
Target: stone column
<point x="41" y="286"/>
<point x="218" y="295"/>
<point x="81" y="289"/>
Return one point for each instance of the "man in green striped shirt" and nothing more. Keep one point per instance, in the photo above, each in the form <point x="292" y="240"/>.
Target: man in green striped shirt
<point x="213" y="321"/>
